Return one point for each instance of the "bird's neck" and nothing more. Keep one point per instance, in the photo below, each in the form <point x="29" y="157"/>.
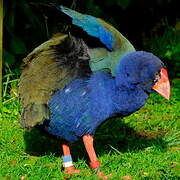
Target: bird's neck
<point x="128" y="99"/>
<point x="110" y="99"/>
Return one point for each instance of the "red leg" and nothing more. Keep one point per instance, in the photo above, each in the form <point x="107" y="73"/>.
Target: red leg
<point x="67" y="161"/>
<point x="94" y="163"/>
<point x="88" y="142"/>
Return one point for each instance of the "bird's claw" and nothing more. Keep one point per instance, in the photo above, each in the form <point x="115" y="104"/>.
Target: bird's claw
<point x="102" y="176"/>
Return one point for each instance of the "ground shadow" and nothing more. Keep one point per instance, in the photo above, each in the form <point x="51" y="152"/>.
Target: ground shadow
<point x="113" y="133"/>
<point x="119" y="136"/>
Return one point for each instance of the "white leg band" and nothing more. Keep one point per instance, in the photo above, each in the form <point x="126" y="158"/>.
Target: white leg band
<point x="67" y="164"/>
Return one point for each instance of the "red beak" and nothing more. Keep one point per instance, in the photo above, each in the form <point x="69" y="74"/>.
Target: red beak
<point x="163" y="85"/>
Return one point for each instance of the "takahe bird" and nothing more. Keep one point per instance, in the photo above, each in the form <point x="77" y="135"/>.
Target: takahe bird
<point x="71" y="88"/>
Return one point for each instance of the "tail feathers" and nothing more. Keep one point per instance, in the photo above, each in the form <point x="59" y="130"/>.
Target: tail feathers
<point x="34" y="114"/>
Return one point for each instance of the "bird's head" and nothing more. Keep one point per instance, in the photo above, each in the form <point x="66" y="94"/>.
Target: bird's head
<point x="144" y="70"/>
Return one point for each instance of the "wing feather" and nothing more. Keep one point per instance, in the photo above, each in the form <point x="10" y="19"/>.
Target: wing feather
<point x="50" y="67"/>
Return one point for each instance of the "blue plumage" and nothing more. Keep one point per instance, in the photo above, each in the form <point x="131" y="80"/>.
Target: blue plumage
<point x="85" y="103"/>
<point x="91" y="25"/>
<point x="72" y="109"/>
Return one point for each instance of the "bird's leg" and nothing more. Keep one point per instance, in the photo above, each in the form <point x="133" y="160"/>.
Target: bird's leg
<point x="67" y="160"/>
<point x="94" y="163"/>
<point x="88" y="142"/>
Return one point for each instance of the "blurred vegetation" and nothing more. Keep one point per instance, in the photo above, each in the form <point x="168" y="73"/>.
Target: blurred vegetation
<point x="150" y="25"/>
<point x="1" y="39"/>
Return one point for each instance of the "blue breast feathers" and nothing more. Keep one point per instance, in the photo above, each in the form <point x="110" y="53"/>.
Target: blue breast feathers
<point x="84" y="104"/>
<point x="81" y="107"/>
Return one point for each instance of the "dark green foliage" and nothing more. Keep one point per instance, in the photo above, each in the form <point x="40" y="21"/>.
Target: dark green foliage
<point x="121" y="3"/>
<point x="167" y="47"/>
<point x="19" y="20"/>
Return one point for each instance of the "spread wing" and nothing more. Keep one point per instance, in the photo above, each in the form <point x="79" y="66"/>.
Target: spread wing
<point x="91" y="25"/>
<point x="117" y="45"/>
<point x="50" y="67"/>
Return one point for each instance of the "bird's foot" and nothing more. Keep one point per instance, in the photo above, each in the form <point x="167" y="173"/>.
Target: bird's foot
<point x="102" y="176"/>
<point x="71" y="170"/>
<point x="96" y="166"/>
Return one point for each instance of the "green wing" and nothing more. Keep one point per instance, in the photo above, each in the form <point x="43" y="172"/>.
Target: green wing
<point x="117" y="45"/>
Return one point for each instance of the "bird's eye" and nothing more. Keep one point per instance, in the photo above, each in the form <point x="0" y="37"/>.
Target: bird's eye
<point x="157" y="77"/>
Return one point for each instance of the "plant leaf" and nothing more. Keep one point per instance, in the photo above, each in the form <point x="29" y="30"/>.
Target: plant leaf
<point x="18" y="46"/>
<point x="8" y="57"/>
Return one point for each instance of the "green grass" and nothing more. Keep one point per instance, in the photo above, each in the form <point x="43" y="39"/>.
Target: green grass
<point x="144" y="145"/>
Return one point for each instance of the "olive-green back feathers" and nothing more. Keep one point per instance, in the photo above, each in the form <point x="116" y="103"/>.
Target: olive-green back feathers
<point x="50" y="67"/>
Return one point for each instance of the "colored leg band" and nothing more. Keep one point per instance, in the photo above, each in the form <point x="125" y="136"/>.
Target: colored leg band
<point x="67" y="161"/>
<point x="67" y="158"/>
<point x="94" y="164"/>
